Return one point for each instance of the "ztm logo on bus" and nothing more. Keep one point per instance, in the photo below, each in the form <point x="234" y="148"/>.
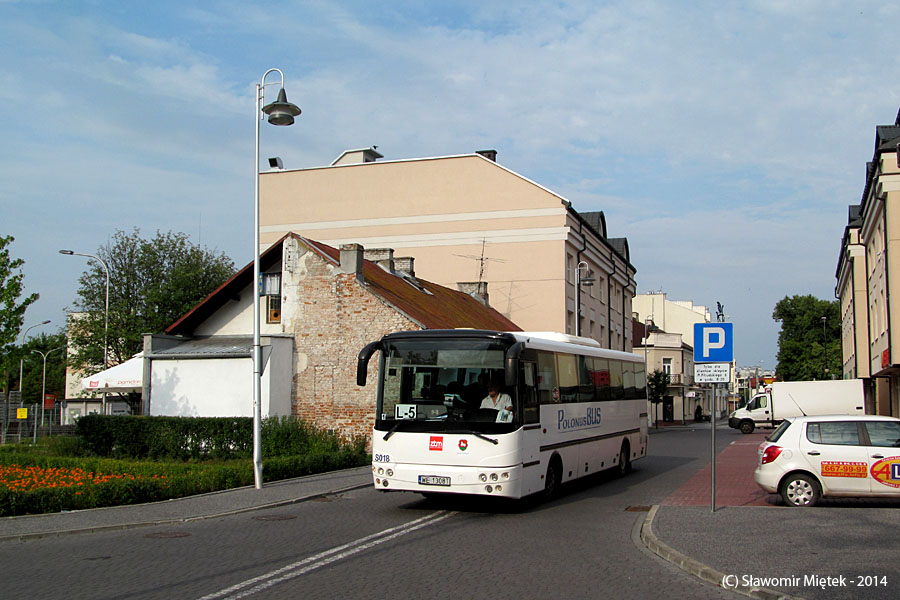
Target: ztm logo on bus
<point x="436" y="443"/>
<point x="887" y="471"/>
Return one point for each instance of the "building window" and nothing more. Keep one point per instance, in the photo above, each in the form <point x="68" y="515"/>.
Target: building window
<point x="273" y="309"/>
<point x="570" y="269"/>
<point x="667" y="366"/>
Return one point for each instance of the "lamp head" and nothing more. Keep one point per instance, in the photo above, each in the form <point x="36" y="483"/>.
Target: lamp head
<point x="281" y="112"/>
<point x="69" y="252"/>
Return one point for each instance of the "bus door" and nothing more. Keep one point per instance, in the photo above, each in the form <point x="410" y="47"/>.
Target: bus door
<point x="531" y="430"/>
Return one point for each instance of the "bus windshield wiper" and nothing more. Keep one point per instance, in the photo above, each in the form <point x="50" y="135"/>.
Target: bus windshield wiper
<point x="476" y="434"/>
<point x="393" y="429"/>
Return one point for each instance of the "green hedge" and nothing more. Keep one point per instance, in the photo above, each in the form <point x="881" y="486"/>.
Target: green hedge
<point x="159" y="458"/>
<point x="200" y="438"/>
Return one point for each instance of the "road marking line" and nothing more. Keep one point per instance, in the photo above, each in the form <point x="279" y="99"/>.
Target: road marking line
<point x="322" y="559"/>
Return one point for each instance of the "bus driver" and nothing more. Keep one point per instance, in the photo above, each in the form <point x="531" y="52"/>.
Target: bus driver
<point x="500" y="402"/>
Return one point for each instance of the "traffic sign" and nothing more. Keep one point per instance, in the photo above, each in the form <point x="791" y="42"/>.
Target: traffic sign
<point x="712" y="372"/>
<point x="713" y="343"/>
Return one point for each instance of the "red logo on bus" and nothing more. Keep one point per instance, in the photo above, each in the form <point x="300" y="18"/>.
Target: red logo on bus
<point x="436" y="443"/>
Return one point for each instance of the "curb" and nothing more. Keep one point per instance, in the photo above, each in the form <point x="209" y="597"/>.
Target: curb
<point x="698" y="569"/>
<point x="21" y="537"/>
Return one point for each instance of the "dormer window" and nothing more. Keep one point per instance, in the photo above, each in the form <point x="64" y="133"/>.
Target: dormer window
<point x="271" y="289"/>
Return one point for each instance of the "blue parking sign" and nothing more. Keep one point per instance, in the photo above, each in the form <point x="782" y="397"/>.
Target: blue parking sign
<point x="713" y="342"/>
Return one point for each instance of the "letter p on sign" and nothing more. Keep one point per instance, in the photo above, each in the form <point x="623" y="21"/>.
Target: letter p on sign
<point x="713" y="339"/>
<point x="713" y="342"/>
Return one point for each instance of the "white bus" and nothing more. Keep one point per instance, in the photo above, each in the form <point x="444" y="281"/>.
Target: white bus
<point x="565" y="408"/>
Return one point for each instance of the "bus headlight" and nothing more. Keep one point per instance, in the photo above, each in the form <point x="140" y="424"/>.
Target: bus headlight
<point x="499" y="488"/>
<point x="483" y="477"/>
<point x="380" y="471"/>
<point x="505" y="476"/>
<point x="488" y="489"/>
<point x="384" y="483"/>
<point x="494" y="477"/>
<point x="390" y="472"/>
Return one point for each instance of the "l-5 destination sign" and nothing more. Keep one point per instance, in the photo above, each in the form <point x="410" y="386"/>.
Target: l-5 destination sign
<point x="712" y="372"/>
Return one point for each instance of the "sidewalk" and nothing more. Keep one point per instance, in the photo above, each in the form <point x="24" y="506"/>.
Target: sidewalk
<point x="181" y="510"/>
<point x="754" y="545"/>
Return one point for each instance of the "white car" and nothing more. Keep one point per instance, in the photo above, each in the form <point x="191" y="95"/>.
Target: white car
<point x="807" y="458"/>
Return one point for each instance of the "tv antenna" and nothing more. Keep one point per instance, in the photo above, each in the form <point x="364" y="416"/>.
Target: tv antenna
<point x="482" y="260"/>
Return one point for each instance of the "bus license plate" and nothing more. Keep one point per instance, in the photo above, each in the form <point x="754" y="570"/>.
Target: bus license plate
<point x="433" y="480"/>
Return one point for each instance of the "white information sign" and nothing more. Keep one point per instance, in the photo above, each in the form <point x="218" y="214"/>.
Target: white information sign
<point x="712" y="372"/>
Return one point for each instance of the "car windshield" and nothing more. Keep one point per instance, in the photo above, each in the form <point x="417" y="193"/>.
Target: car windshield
<point x="445" y="385"/>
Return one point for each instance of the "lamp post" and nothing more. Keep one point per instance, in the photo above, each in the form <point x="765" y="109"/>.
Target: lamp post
<point x="579" y="281"/>
<point x="21" y="364"/>
<point x="22" y="360"/>
<point x="43" y="389"/>
<point x="824" y="350"/>
<point x="282" y="113"/>
<point x="106" y="318"/>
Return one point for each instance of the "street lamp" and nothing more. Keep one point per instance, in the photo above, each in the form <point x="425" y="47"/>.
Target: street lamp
<point x="43" y="389"/>
<point x="579" y="281"/>
<point x="106" y="318"/>
<point x="824" y="350"/>
<point x="282" y="113"/>
<point x="22" y="360"/>
<point x="21" y="363"/>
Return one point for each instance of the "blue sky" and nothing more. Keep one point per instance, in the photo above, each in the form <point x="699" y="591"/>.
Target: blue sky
<point x="724" y="140"/>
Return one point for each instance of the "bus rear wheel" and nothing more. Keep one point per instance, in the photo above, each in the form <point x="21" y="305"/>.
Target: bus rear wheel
<point x="624" y="466"/>
<point x="553" y="479"/>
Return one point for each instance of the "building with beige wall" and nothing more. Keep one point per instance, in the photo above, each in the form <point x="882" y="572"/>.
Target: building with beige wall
<point x="851" y="289"/>
<point x="465" y="219"/>
<point x="870" y="251"/>
<point x="674" y="316"/>
<point x="669" y="353"/>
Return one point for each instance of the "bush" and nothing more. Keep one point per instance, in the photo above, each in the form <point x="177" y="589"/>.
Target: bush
<point x="187" y="456"/>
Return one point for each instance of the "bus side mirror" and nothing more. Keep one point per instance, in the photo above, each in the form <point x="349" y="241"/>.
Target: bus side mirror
<point x="511" y="366"/>
<point x="362" y="362"/>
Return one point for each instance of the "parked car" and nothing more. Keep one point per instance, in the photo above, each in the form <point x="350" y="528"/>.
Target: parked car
<point x="808" y="458"/>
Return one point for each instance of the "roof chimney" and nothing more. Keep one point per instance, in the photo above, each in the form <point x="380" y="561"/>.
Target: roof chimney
<point x="405" y="265"/>
<point x="488" y="154"/>
<point x="352" y="260"/>
<point x="384" y="257"/>
<point x="476" y="289"/>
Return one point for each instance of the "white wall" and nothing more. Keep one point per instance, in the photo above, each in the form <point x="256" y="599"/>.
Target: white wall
<point x="208" y="387"/>
<point x="221" y="387"/>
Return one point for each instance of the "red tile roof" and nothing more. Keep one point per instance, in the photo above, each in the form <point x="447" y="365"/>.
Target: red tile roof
<point x="442" y="308"/>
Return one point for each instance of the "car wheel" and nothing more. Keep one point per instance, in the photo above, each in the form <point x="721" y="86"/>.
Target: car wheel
<point x="624" y="466"/>
<point x="800" y="490"/>
<point x="553" y="479"/>
<point x="747" y="427"/>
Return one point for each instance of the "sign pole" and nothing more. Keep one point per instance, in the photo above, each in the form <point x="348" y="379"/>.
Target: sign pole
<point x="712" y="422"/>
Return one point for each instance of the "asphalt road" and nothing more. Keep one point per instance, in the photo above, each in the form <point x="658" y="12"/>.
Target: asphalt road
<point x="368" y="544"/>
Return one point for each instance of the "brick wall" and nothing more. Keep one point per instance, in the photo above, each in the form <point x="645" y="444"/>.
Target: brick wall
<point x="335" y="318"/>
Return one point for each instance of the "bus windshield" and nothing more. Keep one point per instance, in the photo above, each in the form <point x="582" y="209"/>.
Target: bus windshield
<point x="446" y="385"/>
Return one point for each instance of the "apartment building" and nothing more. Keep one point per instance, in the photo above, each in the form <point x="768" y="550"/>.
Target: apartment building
<point x="468" y="221"/>
<point x="868" y="281"/>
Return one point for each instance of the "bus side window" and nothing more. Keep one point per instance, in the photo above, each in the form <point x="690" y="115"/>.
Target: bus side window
<point x="585" y="380"/>
<point x="601" y="379"/>
<point x="528" y="392"/>
<point x="546" y="378"/>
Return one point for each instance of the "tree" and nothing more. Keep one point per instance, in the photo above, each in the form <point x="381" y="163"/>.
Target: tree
<point x="657" y="386"/>
<point x="54" y="346"/>
<point x="152" y="282"/>
<point x="12" y="309"/>
<point x="808" y="348"/>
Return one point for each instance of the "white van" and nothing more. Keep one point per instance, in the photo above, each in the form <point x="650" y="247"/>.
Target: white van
<point x="785" y="399"/>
